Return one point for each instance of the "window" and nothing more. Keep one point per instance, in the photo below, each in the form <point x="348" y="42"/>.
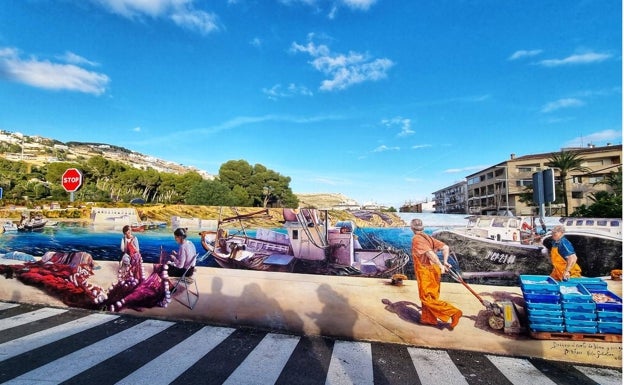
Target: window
<point x="524" y="183"/>
<point x="577" y="194"/>
<point x="577" y="179"/>
<point x="595" y="179"/>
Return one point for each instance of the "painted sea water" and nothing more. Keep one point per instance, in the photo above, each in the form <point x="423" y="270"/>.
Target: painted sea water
<point x="104" y="244"/>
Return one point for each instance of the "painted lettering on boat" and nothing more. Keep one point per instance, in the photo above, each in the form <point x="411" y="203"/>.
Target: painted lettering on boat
<point x="495" y="256"/>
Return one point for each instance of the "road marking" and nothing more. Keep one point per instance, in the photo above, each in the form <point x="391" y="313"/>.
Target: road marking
<point x="265" y="363"/>
<point x="4" y="305"/>
<point x="351" y="363"/>
<point x="36" y="340"/>
<point x="77" y="362"/>
<point x="520" y="371"/>
<point x="602" y="376"/>
<point x="175" y="361"/>
<point x="36" y="315"/>
<point x="435" y="367"/>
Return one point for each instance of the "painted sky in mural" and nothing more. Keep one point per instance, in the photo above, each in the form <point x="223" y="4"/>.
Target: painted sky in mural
<point x="384" y="101"/>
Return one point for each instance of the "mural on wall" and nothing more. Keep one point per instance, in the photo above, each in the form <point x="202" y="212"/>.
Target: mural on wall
<point x="577" y="318"/>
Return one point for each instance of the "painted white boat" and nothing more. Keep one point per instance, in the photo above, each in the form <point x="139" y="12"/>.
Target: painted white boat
<point x="309" y="245"/>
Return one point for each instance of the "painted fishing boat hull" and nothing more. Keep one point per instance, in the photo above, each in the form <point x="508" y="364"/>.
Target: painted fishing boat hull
<point x="475" y="254"/>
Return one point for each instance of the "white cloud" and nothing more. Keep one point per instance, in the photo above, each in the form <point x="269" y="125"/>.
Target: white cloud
<point x="72" y="58"/>
<point x="562" y="103"/>
<point x="181" y="12"/>
<point x="48" y="75"/>
<point x="585" y="58"/>
<point x="359" y="4"/>
<point x="136" y="129"/>
<point x="383" y="148"/>
<point x="524" y="53"/>
<point x="419" y="146"/>
<point x="597" y="138"/>
<point x="277" y="91"/>
<point x="403" y="123"/>
<point x="463" y="169"/>
<point x="343" y="70"/>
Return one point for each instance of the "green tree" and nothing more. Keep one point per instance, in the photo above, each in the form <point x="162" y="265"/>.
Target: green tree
<point x="209" y="193"/>
<point x="566" y="162"/>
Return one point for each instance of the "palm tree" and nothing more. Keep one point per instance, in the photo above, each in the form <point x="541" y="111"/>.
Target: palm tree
<point x="566" y="161"/>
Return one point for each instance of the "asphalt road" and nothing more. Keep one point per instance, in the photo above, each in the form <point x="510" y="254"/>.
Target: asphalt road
<point x="44" y="345"/>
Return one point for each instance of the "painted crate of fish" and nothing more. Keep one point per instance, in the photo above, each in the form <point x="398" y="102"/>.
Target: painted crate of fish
<point x="589" y="283"/>
<point x="539" y="284"/>
<point x="571" y="292"/>
<point x="606" y="300"/>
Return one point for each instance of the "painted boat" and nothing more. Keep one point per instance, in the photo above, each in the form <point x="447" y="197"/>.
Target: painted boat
<point x="497" y="246"/>
<point x="32" y="224"/>
<point x="597" y="243"/>
<point x="509" y="246"/>
<point x="307" y="245"/>
<point x="9" y="227"/>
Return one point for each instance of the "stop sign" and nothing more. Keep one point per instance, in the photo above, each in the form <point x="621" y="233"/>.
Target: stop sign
<point x="71" y="179"/>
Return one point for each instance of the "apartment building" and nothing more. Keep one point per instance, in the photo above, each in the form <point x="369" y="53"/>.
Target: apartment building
<point x="497" y="189"/>
<point x="452" y="199"/>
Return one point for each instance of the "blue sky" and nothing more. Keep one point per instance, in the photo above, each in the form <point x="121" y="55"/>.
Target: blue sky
<point x="382" y="100"/>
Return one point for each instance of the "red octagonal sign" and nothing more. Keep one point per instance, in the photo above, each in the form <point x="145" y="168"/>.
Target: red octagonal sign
<point x="72" y="179"/>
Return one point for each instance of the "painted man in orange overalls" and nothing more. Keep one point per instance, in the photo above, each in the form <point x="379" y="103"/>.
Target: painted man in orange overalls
<point x="563" y="257"/>
<point x="429" y="271"/>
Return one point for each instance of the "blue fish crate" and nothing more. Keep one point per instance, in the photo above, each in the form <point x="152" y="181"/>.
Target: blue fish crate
<point x="546" y="327"/>
<point x="532" y="306"/>
<point x="606" y="300"/>
<point x="544" y="320"/>
<point x="610" y="327"/>
<point x="589" y="283"/>
<point x="579" y="306"/>
<point x="579" y="315"/>
<point x="538" y="284"/>
<point x="538" y="312"/>
<point x="582" y="329"/>
<point x="541" y="297"/>
<point x="609" y="316"/>
<point x="574" y="293"/>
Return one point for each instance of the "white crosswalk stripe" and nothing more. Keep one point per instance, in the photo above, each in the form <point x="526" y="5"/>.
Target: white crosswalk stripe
<point x="602" y="376"/>
<point x="83" y="359"/>
<point x="351" y="363"/>
<point x="33" y="341"/>
<point x="520" y="371"/>
<point x="435" y="367"/>
<point x="32" y="316"/>
<point x="265" y="363"/>
<point x="347" y="362"/>
<point x="175" y="361"/>
<point x="5" y="305"/>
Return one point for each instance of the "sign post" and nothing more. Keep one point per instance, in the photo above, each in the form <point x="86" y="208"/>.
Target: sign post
<point x="71" y="181"/>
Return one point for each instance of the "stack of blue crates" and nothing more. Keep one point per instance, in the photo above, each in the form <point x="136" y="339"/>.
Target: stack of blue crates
<point x="579" y="310"/>
<point x="543" y="302"/>
<point x="608" y="314"/>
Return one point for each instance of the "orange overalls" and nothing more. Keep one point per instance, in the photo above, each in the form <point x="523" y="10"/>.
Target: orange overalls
<point x="559" y="265"/>
<point x="428" y="277"/>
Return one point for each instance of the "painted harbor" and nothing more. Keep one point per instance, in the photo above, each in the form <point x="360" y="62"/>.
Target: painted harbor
<point x="483" y="265"/>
